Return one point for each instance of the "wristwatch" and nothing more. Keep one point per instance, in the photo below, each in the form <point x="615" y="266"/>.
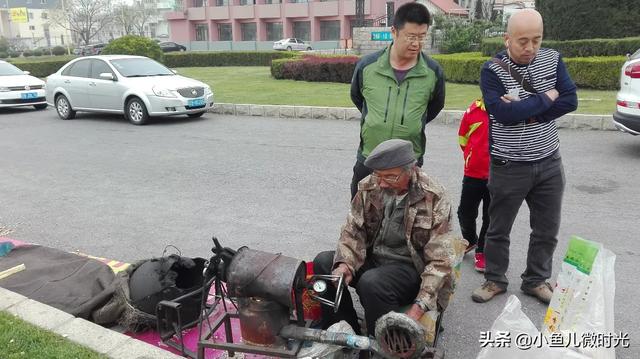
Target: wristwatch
<point x="422" y="305"/>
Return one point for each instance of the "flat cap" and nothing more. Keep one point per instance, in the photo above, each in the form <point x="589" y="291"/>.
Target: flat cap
<point x="390" y="154"/>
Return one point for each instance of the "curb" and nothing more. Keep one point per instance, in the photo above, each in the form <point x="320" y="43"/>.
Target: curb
<point x="102" y="340"/>
<point x="447" y="117"/>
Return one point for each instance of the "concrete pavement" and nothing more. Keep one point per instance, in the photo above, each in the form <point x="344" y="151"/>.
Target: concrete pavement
<point x="105" y="187"/>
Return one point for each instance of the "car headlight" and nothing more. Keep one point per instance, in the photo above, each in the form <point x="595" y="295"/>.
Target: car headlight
<point x="162" y="92"/>
<point x="4" y="89"/>
<point x="207" y="89"/>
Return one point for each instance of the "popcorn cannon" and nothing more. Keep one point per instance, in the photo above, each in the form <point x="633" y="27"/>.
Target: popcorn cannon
<point x="266" y="292"/>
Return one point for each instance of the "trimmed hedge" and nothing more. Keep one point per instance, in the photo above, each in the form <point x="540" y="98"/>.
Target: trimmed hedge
<point x="596" y="72"/>
<point x="231" y="58"/>
<point x="574" y="48"/>
<point x="591" y="72"/>
<point x="461" y="68"/>
<point x="41" y="69"/>
<point x="315" y="68"/>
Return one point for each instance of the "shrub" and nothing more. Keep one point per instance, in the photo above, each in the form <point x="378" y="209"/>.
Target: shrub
<point x="37" y="52"/>
<point x="4" y="45"/>
<point x="315" y="68"/>
<point x="460" y="35"/>
<point x="575" y="48"/>
<point x="27" y="53"/>
<point x="58" y="50"/>
<point x="134" y="45"/>
<point x="230" y="58"/>
<point x="13" y="54"/>
<point x="3" y="55"/>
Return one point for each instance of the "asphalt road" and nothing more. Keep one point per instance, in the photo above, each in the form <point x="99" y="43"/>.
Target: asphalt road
<point x="102" y="186"/>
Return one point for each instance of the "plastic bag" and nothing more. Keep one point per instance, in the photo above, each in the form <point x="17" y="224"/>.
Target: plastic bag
<point x="582" y="301"/>
<point x="320" y="350"/>
<point x="513" y="335"/>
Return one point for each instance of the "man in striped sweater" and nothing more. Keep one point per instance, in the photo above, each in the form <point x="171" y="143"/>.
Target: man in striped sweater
<point x="525" y="89"/>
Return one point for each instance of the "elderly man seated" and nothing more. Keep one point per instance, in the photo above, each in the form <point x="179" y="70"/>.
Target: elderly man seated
<point x="397" y="247"/>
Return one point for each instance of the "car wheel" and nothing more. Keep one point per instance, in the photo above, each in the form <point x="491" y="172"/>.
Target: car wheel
<point x="41" y="106"/>
<point x="181" y="50"/>
<point x="288" y="48"/>
<point x="63" y="107"/>
<point x="308" y="48"/>
<point x="196" y="115"/>
<point x="136" y="112"/>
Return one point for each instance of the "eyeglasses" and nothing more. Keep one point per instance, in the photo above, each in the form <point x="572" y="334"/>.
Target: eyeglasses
<point x="413" y="38"/>
<point x="388" y="179"/>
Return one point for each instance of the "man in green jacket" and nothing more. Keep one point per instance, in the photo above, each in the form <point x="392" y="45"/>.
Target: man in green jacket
<point x="398" y="90"/>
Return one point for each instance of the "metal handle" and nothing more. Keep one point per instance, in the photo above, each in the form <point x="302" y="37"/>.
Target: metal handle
<point x="340" y="288"/>
<point x="92" y="84"/>
<point x="67" y="81"/>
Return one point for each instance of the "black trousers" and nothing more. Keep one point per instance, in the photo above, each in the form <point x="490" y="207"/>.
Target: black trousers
<point x="541" y="185"/>
<point x="474" y="191"/>
<point x="381" y="289"/>
<point x="361" y="171"/>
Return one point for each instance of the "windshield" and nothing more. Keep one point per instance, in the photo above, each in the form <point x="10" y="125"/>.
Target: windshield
<point x="140" y="67"/>
<point x="635" y="56"/>
<point x="6" y="69"/>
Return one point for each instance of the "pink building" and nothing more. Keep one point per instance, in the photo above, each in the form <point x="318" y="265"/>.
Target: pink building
<point x="256" y="24"/>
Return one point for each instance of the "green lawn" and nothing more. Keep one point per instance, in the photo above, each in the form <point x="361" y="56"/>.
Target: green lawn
<point x="19" y="339"/>
<point x="256" y="86"/>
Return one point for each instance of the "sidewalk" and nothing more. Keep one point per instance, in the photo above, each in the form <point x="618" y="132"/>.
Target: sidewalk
<point x="448" y="117"/>
<point x="102" y="340"/>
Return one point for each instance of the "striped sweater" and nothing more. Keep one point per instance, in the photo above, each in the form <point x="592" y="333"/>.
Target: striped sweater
<point x="525" y="130"/>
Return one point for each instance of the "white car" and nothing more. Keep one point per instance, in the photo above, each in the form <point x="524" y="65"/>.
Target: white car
<point x="135" y="86"/>
<point x="18" y="88"/>
<point x="291" y="45"/>
<point x="627" y="115"/>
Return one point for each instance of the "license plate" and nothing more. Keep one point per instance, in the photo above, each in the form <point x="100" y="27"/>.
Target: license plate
<point x="197" y="102"/>
<point x="28" y="95"/>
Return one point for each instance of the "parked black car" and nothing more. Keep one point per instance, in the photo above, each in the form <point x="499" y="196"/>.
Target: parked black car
<point x="169" y="46"/>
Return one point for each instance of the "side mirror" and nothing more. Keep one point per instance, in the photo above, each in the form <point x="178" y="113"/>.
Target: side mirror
<point x="107" y="76"/>
<point x="26" y="72"/>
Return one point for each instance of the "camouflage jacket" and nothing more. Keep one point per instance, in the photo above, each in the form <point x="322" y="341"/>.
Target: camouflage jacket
<point x="435" y="250"/>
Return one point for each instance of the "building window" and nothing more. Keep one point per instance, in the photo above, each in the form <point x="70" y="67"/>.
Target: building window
<point x="202" y="32"/>
<point x="199" y="3"/>
<point x="224" y="32"/>
<point x="248" y="31"/>
<point x="45" y="16"/>
<point x="222" y="2"/>
<point x="30" y="16"/>
<point x="329" y="30"/>
<point x="298" y="1"/>
<point x="273" y="1"/>
<point x="274" y="31"/>
<point x="32" y="28"/>
<point x="302" y="30"/>
<point x="43" y="2"/>
<point x="247" y="2"/>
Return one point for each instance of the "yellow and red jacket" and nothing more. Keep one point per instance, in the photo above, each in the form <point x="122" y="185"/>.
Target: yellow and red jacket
<point x="473" y="137"/>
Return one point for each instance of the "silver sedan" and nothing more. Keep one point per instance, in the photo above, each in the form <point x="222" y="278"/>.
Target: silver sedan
<point x="135" y="86"/>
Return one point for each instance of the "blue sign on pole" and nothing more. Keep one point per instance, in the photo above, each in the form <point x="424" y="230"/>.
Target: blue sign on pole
<point x="381" y="36"/>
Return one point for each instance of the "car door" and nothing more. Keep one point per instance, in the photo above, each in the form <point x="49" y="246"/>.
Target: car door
<point x="104" y="94"/>
<point x="75" y="80"/>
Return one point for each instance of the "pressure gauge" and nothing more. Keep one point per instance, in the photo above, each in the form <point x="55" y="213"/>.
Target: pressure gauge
<point x="319" y="286"/>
